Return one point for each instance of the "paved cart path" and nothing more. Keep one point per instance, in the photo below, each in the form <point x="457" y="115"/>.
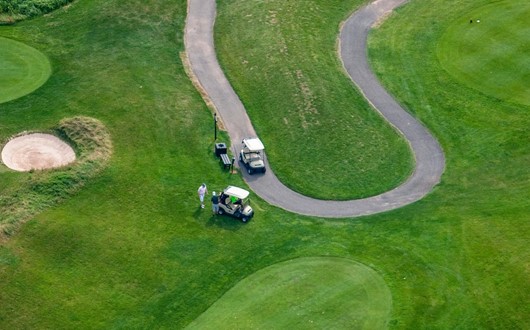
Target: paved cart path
<point x="428" y="154"/>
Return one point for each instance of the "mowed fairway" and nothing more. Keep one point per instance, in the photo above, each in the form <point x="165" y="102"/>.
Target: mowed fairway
<point x="22" y="69"/>
<point x="132" y="249"/>
<point x="489" y="50"/>
<point x="319" y="293"/>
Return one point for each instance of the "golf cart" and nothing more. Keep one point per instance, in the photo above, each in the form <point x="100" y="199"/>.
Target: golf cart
<point x="234" y="202"/>
<point x="252" y="155"/>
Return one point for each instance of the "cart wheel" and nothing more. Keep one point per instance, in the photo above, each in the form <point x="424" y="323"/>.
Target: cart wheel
<point x="244" y="219"/>
<point x="249" y="170"/>
<point x="221" y="211"/>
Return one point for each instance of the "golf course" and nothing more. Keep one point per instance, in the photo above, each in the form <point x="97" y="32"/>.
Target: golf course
<point x="117" y="239"/>
<point x="23" y="69"/>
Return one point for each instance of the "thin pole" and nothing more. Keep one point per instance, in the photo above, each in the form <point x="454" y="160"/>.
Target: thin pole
<point x="215" y="126"/>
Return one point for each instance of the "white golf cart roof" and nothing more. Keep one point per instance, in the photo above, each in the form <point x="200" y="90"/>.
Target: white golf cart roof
<point x="236" y="192"/>
<point x="254" y="144"/>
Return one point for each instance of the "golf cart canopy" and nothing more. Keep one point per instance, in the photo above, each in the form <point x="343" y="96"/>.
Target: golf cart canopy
<point x="236" y="192"/>
<point x="254" y="144"/>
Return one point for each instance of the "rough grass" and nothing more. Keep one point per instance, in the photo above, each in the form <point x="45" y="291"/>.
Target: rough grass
<point x="12" y="11"/>
<point x="43" y="189"/>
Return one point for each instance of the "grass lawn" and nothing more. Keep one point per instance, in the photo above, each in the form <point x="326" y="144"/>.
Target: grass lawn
<point x="22" y="69"/>
<point x="486" y="144"/>
<point x="319" y="292"/>
<point x="488" y="48"/>
<point x="132" y="249"/>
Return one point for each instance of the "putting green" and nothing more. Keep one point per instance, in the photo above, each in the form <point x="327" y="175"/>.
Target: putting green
<point x="490" y="54"/>
<point x="23" y="69"/>
<point x="314" y="293"/>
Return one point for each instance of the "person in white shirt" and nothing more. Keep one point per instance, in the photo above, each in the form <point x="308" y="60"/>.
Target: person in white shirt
<point x="202" y="191"/>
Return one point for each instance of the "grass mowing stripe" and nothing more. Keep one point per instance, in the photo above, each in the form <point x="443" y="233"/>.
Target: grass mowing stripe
<point x="22" y="69"/>
<point x="317" y="292"/>
<point x="489" y="54"/>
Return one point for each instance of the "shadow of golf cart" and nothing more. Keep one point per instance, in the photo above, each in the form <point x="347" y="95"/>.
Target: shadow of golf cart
<point x="234" y="201"/>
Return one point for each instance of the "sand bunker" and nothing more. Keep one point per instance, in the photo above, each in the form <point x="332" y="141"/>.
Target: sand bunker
<point x="36" y="151"/>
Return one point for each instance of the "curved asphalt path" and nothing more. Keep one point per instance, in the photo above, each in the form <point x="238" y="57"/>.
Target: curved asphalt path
<point x="430" y="162"/>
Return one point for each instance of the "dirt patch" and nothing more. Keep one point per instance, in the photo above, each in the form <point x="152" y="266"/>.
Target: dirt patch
<point x="195" y="81"/>
<point x="36" y="151"/>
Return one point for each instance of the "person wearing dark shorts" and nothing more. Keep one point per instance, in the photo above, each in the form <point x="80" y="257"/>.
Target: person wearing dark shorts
<point x="215" y="203"/>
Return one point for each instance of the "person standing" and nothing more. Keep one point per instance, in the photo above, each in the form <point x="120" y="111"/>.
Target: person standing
<point x="202" y="191"/>
<point x="215" y="203"/>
